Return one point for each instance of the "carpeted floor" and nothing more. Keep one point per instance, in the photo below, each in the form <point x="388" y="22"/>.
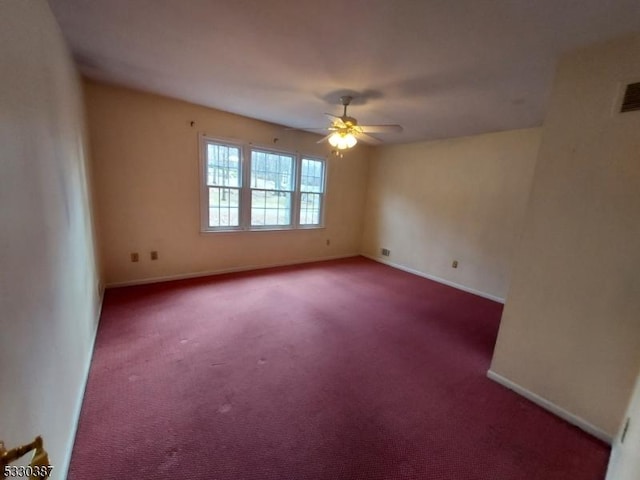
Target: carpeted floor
<point x="346" y="369"/>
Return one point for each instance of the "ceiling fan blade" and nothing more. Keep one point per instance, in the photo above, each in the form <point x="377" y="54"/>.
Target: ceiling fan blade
<point x="306" y="128"/>
<point x="368" y="139"/>
<point x="336" y="120"/>
<point x="324" y="139"/>
<point x="381" y="128"/>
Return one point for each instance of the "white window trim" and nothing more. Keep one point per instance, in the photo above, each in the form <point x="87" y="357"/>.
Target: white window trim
<point x="204" y="188"/>
<point x="323" y="195"/>
<point x="245" y="188"/>
<point x="296" y="167"/>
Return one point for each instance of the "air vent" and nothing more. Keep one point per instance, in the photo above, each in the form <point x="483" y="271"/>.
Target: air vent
<point x="631" y="100"/>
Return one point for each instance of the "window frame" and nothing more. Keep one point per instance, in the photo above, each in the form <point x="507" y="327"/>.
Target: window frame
<point x="204" y="187"/>
<point x="245" y="190"/>
<point x="294" y="175"/>
<point x="322" y="194"/>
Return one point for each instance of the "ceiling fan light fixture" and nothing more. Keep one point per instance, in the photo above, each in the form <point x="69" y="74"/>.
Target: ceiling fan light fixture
<point x="342" y="140"/>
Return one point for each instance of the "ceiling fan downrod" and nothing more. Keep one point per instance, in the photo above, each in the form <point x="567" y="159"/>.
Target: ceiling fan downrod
<point x="346" y="101"/>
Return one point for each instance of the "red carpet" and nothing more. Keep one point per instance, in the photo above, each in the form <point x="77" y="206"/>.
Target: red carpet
<point x="335" y="370"/>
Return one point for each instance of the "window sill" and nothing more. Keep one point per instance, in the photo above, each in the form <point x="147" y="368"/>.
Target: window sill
<point x="266" y="229"/>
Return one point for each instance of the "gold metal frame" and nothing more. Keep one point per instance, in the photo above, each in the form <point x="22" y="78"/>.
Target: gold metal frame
<point x="40" y="458"/>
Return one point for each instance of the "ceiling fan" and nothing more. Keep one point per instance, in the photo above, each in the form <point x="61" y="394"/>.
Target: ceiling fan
<point x="344" y="131"/>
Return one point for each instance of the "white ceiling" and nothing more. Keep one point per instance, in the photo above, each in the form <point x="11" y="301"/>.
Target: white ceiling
<point x="440" y="68"/>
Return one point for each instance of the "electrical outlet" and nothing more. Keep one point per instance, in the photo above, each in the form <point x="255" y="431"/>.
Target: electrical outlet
<point x="454" y="264"/>
<point x="154" y="255"/>
<point x="385" y="252"/>
<point x="135" y="257"/>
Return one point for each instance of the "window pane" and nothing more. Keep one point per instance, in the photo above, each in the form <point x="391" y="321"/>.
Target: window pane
<point x="312" y="176"/>
<point x="310" y="208"/>
<point x="223" y="165"/>
<point x="271" y="171"/>
<point x="224" y="207"/>
<point x="269" y="208"/>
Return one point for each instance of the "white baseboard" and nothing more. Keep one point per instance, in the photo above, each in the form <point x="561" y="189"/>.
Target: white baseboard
<point x="64" y="468"/>
<point x="207" y="273"/>
<point x="435" y="279"/>
<point x="552" y="407"/>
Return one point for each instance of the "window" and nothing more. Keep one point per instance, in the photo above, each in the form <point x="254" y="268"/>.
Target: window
<point x="272" y="186"/>
<point x="223" y="181"/>
<point x="311" y="191"/>
<point x="246" y="188"/>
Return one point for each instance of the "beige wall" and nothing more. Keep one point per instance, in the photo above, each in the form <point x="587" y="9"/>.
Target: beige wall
<point x="145" y="156"/>
<point x="462" y="199"/>
<point x="48" y="281"/>
<point x="570" y="331"/>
